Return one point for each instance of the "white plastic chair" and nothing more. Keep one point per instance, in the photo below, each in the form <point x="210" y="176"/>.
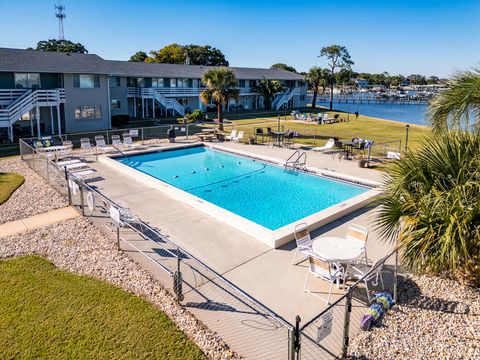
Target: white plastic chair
<point x="232" y="135"/>
<point x="326" y="271"/>
<point x="66" y="152"/>
<point x="239" y="137"/>
<point x="360" y="270"/>
<point x="303" y="240"/>
<point x="358" y="236"/>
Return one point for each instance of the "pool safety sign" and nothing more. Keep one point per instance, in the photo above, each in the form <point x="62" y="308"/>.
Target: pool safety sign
<point x="134" y="132"/>
<point x="325" y="327"/>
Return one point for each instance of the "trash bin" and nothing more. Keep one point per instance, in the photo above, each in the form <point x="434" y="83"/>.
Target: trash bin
<point x="171" y="135"/>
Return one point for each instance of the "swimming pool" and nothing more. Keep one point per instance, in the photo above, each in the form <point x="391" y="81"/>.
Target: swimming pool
<point x="265" y="194"/>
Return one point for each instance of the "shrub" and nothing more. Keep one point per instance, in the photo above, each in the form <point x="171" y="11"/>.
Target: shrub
<point x="431" y="204"/>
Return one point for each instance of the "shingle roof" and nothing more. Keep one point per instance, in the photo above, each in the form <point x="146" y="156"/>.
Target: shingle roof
<point x="19" y="60"/>
<point x="125" y="68"/>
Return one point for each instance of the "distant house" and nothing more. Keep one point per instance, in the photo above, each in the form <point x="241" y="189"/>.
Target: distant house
<point x="405" y="82"/>
<point x="360" y="83"/>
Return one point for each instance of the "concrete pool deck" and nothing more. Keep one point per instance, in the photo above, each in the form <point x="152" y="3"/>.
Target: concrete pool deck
<point x="264" y="273"/>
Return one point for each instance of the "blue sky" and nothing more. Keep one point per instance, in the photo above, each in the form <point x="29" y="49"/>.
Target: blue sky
<point x="427" y="37"/>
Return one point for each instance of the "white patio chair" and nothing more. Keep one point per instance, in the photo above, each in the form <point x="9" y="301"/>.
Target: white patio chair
<point x="239" y="137"/>
<point x="232" y="135"/>
<point x="85" y="144"/>
<point x="328" y="146"/>
<point x="303" y="240"/>
<point x="360" y="271"/>
<point x="127" y="141"/>
<point x="326" y="271"/>
<point x="100" y="142"/>
<point x="358" y="236"/>
<point x="66" y="152"/>
<point x="116" y="141"/>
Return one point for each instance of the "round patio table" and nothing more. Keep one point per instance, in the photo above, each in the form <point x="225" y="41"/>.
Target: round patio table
<point x="336" y="249"/>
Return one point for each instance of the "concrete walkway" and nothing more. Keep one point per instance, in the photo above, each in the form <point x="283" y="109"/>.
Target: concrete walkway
<point x="38" y="221"/>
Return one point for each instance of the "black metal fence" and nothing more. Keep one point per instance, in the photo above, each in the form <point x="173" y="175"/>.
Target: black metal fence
<point x="246" y="324"/>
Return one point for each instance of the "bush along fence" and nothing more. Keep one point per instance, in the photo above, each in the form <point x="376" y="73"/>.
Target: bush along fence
<point x="244" y="323"/>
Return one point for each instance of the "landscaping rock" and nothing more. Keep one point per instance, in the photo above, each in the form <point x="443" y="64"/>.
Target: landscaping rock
<point x="34" y="197"/>
<point x="435" y="318"/>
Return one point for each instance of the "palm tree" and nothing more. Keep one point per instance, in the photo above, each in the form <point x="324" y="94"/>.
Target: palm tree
<point x="268" y="89"/>
<point x="316" y="77"/>
<point x="221" y="85"/>
<point x="453" y="108"/>
<point x="431" y="205"/>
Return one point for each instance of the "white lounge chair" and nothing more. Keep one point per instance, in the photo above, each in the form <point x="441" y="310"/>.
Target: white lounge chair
<point x="128" y="142"/>
<point x="232" y="135"/>
<point x="359" y="271"/>
<point x="101" y="145"/>
<point x="239" y="137"/>
<point x="66" y="152"/>
<point x="324" y="270"/>
<point x="303" y="240"/>
<point x="328" y="146"/>
<point x="116" y="142"/>
<point x="85" y="144"/>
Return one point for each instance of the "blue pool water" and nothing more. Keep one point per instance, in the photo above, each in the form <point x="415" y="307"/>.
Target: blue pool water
<point x="265" y="194"/>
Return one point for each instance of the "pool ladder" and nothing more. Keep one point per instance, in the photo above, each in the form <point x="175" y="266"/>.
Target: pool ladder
<point x="297" y="161"/>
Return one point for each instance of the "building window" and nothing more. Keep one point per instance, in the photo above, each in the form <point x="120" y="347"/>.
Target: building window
<point x="114" y="81"/>
<point x="27" y="81"/>
<point x="302" y="97"/>
<point x="173" y="83"/>
<point x="182" y="82"/>
<point x="301" y="83"/>
<point x="115" y="104"/>
<point x="195" y="83"/>
<point x="86" y="81"/>
<point x="253" y="83"/>
<point x="157" y="82"/>
<point x="183" y="101"/>
<point x="241" y="83"/>
<point x="141" y="82"/>
<point x="88" y="112"/>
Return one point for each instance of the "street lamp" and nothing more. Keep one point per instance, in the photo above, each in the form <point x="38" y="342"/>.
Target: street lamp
<point x="406" y="136"/>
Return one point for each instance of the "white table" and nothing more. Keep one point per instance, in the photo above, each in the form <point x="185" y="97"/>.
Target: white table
<point x="336" y="249"/>
<point x="54" y="148"/>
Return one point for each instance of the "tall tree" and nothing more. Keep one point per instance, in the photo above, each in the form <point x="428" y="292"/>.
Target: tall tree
<point x="417" y="79"/>
<point x="268" y="89"/>
<point x="195" y="54"/>
<point x="61" y="46"/>
<point x="455" y="107"/>
<point x="316" y="77"/>
<point x="139" y="56"/>
<point x="282" y="66"/>
<point x="205" y="55"/>
<point x="221" y="85"/>
<point x="170" y="54"/>
<point x="338" y="58"/>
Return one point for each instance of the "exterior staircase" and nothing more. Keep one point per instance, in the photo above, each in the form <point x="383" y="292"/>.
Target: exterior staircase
<point x="27" y="101"/>
<point x="154" y="93"/>
<point x="284" y="98"/>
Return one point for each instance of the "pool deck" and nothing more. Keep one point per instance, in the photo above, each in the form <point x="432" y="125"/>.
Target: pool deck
<point x="264" y="273"/>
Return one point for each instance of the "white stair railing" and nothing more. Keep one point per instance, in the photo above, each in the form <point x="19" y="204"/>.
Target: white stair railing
<point x="27" y="101"/>
<point x="153" y="93"/>
<point x="284" y="98"/>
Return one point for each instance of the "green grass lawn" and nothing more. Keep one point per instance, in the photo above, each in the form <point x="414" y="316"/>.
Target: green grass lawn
<point x="9" y="182"/>
<point x="49" y="313"/>
<point x="365" y="127"/>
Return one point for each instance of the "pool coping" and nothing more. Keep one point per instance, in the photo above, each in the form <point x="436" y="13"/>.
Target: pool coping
<point x="272" y="238"/>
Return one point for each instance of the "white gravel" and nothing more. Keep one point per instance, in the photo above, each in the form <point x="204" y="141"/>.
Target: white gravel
<point x="436" y="318"/>
<point x="78" y="246"/>
<point x="35" y="196"/>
